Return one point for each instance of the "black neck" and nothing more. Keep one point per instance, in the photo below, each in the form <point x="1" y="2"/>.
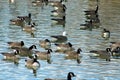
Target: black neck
<point x="69" y="77"/>
<point x="96" y="9"/>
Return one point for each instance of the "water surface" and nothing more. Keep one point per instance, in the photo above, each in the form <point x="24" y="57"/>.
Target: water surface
<point x="88" y="69"/>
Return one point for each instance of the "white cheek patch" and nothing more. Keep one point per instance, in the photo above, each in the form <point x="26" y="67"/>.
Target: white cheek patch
<point x="55" y="13"/>
<point x="55" y="8"/>
<point x="106" y="34"/>
<point x="12" y="1"/>
<point x="33" y="29"/>
<point x="4" y="57"/>
<point x="71" y="75"/>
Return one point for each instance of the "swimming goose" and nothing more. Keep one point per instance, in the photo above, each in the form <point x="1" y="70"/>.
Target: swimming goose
<point x="24" y="51"/>
<point x="63" y="47"/>
<point x="73" y="54"/>
<point x="105" y="34"/>
<point x="26" y="18"/>
<point x="29" y="28"/>
<point x="95" y="19"/>
<point x="69" y="77"/>
<point x="59" y="38"/>
<point x="18" y="22"/>
<point x="114" y="45"/>
<point x="104" y="54"/>
<point x="88" y="25"/>
<point x="95" y="22"/>
<point x="16" y="44"/>
<point x="116" y="52"/>
<point x="32" y="63"/>
<point x="44" y="55"/>
<point x="45" y="43"/>
<point x="12" y="56"/>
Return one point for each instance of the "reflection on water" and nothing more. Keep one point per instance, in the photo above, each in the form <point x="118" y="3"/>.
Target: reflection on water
<point x="97" y="69"/>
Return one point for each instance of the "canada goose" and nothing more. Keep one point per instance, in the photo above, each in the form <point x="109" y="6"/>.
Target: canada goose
<point x="95" y="22"/>
<point x="12" y="56"/>
<point x="114" y="45"/>
<point x="105" y="34"/>
<point x="86" y="26"/>
<point x="26" y="51"/>
<point x="26" y="18"/>
<point x="104" y="54"/>
<point x="63" y="47"/>
<point x="45" y="43"/>
<point x="44" y="55"/>
<point x="16" y="44"/>
<point x="59" y="11"/>
<point x="18" y="22"/>
<point x="32" y="63"/>
<point x="59" y="38"/>
<point x="69" y="77"/>
<point x="73" y="54"/>
<point x="116" y="52"/>
<point x="59" y="21"/>
<point x="29" y="28"/>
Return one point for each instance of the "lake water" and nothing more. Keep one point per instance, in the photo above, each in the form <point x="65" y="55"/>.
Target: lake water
<point x="88" y="69"/>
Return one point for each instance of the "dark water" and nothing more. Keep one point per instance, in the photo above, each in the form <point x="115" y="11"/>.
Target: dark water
<point x="88" y="69"/>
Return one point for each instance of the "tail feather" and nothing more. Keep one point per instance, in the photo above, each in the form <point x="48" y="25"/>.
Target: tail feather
<point x="113" y="42"/>
<point x="9" y="42"/>
<point x="93" y="51"/>
<point x="54" y="36"/>
<point x="56" y="44"/>
<point x="3" y="53"/>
